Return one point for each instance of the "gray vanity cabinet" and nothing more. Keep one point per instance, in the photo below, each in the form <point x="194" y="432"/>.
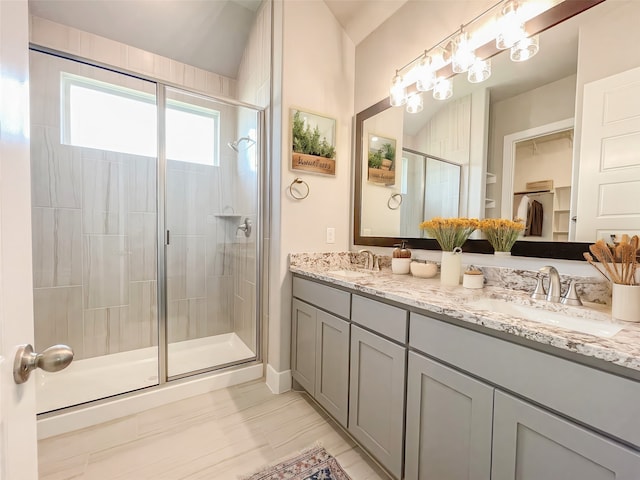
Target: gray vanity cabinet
<point x="332" y="365"/>
<point x="320" y="357"/>
<point x="303" y="347"/>
<point x="449" y="422"/>
<point x="376" y="401"/>
<point x="532" y="444"/>
<point x="560" y="420"/>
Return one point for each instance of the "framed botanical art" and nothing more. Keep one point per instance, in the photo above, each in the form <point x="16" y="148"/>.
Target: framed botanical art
<point x="313" y="144"/>
<point x="381" y="159"/>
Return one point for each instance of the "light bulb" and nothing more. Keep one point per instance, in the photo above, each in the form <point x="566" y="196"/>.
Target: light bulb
<point x="414" y="103"/>
<point x="426" y="75"/>
<point x="510" y="27"/>
<point x="525" y="49"/>
<point x="479" y="71"/>
<point x="509" y="35"/>
<point x="443" y="89"/>
<point x="462" y="55"/>
<point x="397" y="92"/>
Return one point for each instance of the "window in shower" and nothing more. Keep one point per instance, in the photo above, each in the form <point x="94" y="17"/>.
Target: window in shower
<point x="108" y="116"/>
<point x="187" y="122"/>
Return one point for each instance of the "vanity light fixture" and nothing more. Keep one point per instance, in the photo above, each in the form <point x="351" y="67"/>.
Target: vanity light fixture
<point x="425" y="74"/>
<point x="510" y="26"/>
<point x="479" y="71"/>
<point x="525" y="49"/>
<point x="414" y="103"/>
<point x="469" y="49"/>
<point x="443" y="89"/>
<point x="398" y="92"/>
<point x="462" y="53"/>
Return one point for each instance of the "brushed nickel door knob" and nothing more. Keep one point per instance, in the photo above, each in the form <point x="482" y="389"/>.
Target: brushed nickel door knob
<point x="53" y="359"/>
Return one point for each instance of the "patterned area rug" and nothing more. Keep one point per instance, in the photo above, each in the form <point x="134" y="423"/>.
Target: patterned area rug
<point x="313" y="464"/>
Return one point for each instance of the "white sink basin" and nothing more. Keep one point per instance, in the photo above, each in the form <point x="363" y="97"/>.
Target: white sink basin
<point x="349" y="273"/>
<point x="598" y="328"/>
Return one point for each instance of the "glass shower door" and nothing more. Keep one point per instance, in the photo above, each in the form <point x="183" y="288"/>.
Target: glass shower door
<point x="94" y="220"/>
<point x="211" y="217"/>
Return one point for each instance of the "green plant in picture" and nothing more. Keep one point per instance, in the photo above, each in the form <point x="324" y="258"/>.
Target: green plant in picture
<point x="388" y="151"/>
<point x="308" y="141"/>
<point x="375" y="159"/>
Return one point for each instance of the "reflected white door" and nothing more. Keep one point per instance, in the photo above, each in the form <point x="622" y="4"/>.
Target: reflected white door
<point x="18" y="457"/>
<point x="609" y="177"/>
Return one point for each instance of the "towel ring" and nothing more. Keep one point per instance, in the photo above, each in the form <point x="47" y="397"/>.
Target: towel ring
<point x="394" y="198"/>
<point x="298" y="195"/>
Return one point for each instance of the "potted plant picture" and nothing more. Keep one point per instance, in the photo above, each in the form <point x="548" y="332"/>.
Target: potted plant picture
<point x="313" y="143"/>
<point x="381" y="160"/>
<point x="388" y="156"/>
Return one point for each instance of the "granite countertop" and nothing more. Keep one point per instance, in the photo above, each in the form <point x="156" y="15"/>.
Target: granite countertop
<point x="623" y="349"/>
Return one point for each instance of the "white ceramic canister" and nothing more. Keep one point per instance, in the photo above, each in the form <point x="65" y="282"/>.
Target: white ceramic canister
<point x="400" y="265"/>
<point x="625" y="302"/>
<point x="474" y="279"/>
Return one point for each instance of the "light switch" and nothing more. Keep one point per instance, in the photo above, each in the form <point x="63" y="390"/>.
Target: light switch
<point x="331" y="235"/>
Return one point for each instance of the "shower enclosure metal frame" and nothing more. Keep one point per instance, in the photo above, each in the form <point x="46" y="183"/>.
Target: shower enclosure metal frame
<point x="161" y="87"/>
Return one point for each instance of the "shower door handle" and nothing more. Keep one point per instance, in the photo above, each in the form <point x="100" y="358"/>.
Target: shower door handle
<point x="245" y="227"/>
<point x="53" y="359"/>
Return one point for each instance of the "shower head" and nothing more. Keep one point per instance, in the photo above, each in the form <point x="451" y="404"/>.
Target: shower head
<point x="236" y="143"/>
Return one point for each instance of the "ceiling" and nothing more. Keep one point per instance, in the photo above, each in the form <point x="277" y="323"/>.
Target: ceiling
<point x="209" y="34"/>
<point x="360" y="17"/>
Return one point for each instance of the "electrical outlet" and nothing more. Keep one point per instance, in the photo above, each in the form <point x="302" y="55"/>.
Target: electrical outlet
<point x="331" y="235"/>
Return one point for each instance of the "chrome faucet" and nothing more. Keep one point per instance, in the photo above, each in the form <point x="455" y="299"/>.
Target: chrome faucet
<point x="555" y="290"/>
<point x="372" y="261"/>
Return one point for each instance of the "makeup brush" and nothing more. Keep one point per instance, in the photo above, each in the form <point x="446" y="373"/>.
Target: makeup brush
<point x="601" y="251"/>
<point x="587" y="256"/>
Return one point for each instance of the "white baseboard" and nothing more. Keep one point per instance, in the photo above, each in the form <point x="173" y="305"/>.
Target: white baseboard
<point x="83" y="417"/>
<point x="278" y="382"/>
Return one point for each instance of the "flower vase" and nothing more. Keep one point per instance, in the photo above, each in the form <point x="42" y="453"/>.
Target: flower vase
<point x="502" y="254"/>
<point x="625" y="302"/>
<point x="451" y="267"/>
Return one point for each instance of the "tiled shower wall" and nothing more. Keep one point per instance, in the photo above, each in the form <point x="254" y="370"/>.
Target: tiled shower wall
<point x="253" y="87"/>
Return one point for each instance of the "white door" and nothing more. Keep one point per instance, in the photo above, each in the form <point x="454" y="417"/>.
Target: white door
<point x="609" y="176"/>
<point x="18" y="454"/>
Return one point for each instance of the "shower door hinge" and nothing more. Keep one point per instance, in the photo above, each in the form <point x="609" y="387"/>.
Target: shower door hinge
<point x="167" y="237"/>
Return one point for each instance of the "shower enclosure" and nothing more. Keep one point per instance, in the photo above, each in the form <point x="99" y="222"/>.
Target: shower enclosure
<point x="146" y="230"/>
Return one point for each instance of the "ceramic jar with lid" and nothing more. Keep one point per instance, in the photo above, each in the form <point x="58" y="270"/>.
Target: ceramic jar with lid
<point x="401" y="259"/>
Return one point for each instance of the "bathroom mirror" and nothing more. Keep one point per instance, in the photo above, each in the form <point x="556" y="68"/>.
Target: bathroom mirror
<point x="524" y="110"/>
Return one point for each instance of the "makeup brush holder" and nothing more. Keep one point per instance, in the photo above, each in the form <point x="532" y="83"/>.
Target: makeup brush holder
<point x="625" y="302"/>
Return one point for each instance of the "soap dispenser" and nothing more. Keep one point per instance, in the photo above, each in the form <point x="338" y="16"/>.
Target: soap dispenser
<point x="401" y="261"/>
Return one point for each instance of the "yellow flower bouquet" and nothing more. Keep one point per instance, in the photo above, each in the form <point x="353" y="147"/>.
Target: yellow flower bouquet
<point x="450" y="232"/>
<point x="501" y="233"/>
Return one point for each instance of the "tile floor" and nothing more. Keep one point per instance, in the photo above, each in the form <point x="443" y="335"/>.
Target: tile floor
<point x="220" y="435"/>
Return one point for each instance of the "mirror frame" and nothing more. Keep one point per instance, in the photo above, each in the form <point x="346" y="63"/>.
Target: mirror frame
<point x="555" y="250"/>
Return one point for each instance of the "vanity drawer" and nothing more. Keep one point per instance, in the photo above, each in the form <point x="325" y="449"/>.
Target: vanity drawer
<point x="327" y="298"/>
<point x="384" y="319"/>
